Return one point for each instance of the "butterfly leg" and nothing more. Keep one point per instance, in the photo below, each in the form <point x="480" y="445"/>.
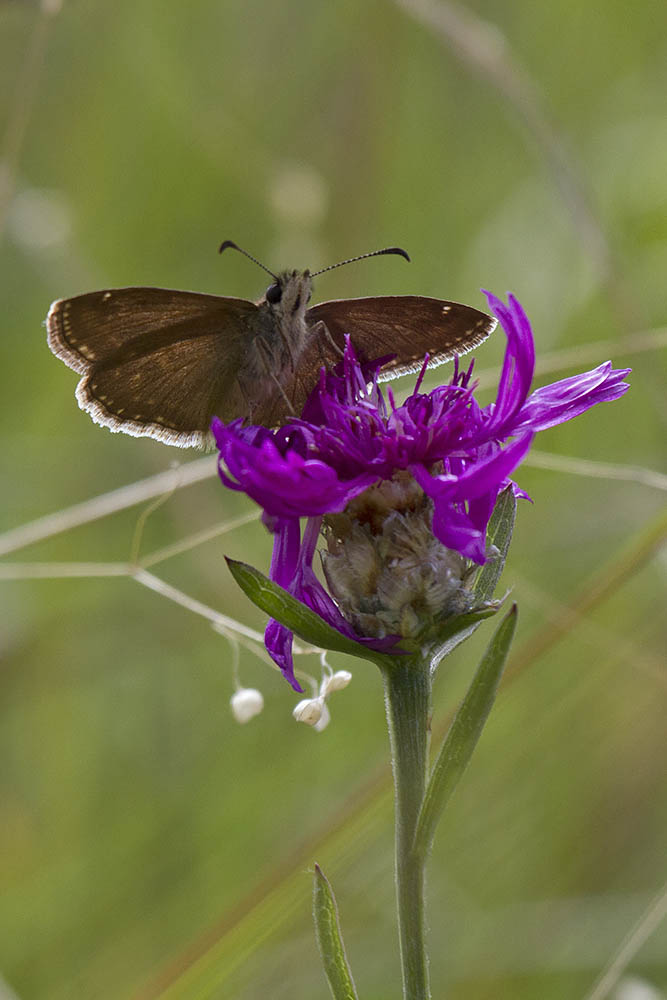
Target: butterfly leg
<point x="321" y="331"/>
<point x="290" y="352"/>
<point x="266" y="357"/>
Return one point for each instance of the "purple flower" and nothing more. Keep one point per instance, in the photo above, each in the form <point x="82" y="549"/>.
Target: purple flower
<point x="418" y="481"/>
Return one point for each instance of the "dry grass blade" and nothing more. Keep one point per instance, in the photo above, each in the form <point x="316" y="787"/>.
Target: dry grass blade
<point x="596" y="470"/>
<point x="648" y="923"/>
<point x="22" y="104"/>
<point x="484" y="48"/>
<point x="105" y="504"/>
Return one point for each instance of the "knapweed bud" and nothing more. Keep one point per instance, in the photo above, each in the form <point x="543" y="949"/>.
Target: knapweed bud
<point x="246" y="703"/>
<point x="389" y="574"/>
<point x="310" y="711"/>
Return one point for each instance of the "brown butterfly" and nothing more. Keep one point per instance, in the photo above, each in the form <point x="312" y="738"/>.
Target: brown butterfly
<point x="162" y="363"/>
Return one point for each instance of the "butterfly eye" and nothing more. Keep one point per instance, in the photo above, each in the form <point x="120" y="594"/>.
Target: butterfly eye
<point x="274" y="293"/>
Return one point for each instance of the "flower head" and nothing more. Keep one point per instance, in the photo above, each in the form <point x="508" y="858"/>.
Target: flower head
<point x="403" y="494"/>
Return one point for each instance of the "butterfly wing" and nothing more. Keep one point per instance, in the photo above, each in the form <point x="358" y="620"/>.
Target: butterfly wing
<point x="409" y="326"/>
<point x="155" y="362"/>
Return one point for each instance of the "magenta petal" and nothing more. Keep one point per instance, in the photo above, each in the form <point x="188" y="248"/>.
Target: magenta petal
<point x="286" y="545"/>
<point x="518" y="365"/>
<point x="488" y="473"/>
<point x="455" y="530"/>
<point x="278" y="641"/>
<point x="554" y="404"/>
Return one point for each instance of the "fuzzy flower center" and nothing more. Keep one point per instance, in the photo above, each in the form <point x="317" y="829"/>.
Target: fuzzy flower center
<point x="385" y="568"/>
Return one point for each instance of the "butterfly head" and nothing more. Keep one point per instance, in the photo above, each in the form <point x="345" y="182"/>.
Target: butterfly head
<point x="290" y="293"/>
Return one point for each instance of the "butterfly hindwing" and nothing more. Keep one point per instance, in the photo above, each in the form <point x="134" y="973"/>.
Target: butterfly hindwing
<point x="409" y="326"/>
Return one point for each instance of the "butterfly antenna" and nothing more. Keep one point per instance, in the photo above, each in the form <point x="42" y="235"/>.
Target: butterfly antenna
<point x="228" y="244"/>
<point x="374" y="253"/>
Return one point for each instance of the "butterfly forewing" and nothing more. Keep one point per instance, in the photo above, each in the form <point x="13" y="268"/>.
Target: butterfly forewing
<point x="171" y="393"/>
<point x="155" y="361"/>
<point x="409" y="326"/>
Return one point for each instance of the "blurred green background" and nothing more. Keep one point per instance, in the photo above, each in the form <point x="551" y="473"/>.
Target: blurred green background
<point x="146" y="837"/>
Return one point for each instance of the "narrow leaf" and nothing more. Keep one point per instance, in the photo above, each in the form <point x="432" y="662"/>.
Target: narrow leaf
<point x="329" y="940"/>
<point x="279" y="604"/>
<point x="499" y="534"/>
<point x="457" y="629"/>
<point x="464" y="733"/>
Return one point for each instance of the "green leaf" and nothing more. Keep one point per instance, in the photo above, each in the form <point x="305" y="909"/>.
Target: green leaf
<point x="329" y="940"/>
<point x="279" y="604"/>
<point x="464" y="733"/>
<point x="499" y="534"/>
<point x="457" y="629"/>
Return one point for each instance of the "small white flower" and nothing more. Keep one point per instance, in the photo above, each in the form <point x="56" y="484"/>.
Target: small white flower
<point x="324" y="719"/>
<point x="633" y="988"/>
<point x="246" y="703"/>
<point x="310" y="711"/>
<point x="338" y="681"/>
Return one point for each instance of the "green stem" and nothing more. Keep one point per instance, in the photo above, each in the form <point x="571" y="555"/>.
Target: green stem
<point x="408" y="701"/>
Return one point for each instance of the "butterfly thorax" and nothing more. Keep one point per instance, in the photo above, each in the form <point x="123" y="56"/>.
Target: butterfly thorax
<point x="282" y="315"/>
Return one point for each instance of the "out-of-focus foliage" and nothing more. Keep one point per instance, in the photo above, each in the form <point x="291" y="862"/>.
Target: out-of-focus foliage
<point x="139" y="824"/>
